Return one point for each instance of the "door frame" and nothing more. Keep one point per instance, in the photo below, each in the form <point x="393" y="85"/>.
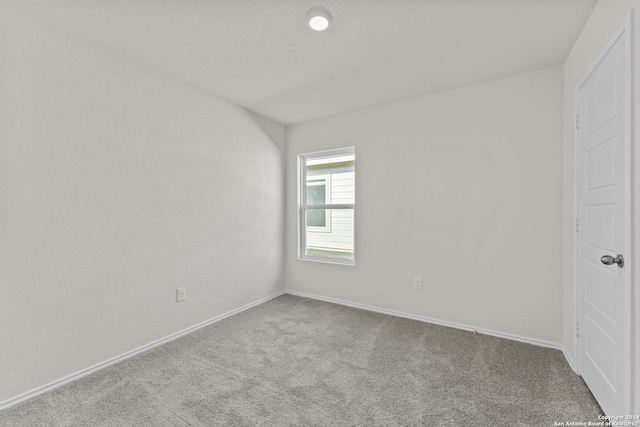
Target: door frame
<point x="626" y="31"/>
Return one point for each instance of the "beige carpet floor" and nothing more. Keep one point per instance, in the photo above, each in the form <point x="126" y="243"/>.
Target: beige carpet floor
<point x="299" y="362"/>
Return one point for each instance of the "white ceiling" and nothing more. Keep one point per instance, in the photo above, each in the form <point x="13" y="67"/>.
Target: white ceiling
<point x="261" y="55"/>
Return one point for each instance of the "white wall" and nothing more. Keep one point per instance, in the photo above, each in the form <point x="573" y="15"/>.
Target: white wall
<point x="605" y="19"/>
<point x="119" y="184"/>
<point x="462" y="188"/>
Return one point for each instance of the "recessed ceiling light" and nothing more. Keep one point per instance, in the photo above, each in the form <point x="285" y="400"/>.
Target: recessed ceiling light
<point x="319" y="19"/>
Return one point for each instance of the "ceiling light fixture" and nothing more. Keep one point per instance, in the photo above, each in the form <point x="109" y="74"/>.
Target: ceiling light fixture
<point x="319" y="19"/>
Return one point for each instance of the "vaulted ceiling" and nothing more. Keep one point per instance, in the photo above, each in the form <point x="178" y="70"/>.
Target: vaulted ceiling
<point x="261" y="54"/>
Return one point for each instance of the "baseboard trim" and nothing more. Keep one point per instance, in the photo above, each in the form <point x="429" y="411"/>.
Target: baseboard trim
<point x="533" y="341"/>
<point x="570" y="360"/>
<point x="69" y="378"/>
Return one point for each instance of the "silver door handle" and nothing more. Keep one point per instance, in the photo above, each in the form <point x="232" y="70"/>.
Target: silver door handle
<point x="608" y="260"/>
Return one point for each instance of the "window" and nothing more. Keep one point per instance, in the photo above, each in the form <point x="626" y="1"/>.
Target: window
<point x="327" y="206"/>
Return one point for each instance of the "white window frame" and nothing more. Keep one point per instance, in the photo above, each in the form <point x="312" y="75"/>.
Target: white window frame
<point x="303" y="206"/>
<point x="326" y="178"/>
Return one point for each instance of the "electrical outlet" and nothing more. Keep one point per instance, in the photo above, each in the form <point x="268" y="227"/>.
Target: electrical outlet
<point x="181" y="294"/>
<point x="417" y="283"/>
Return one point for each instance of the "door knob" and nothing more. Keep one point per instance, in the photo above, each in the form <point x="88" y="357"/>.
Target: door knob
<point x="608" y="260"/>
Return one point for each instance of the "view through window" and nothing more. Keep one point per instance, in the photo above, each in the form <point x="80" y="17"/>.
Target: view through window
<point x="327" y="205"/>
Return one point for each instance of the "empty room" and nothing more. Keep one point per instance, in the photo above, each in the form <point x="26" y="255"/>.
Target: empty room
<point x="319" y="213"/>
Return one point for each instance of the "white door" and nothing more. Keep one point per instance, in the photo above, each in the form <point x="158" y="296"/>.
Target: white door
<point x="604" y="227"/>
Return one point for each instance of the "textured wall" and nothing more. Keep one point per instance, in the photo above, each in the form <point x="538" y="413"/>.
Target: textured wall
<point x="462" y="188"/>
<point x="119" y="184"/>
<point x="603" y="22"/>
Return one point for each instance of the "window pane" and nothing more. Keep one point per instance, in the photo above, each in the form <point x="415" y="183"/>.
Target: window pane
<point x="316" y="192"/>
<point x="332" y="164"/>
<point x="316" y="217"/>
<point x="343" y="189"/>
<point x="336" y="243"/>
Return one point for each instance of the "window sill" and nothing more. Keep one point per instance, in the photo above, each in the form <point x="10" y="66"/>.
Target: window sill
<point x="347" y="262"/>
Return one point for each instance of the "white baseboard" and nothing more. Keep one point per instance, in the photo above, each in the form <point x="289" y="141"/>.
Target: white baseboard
<point x="512" y="337"/>
<point x="570" y="360"/>
<point x="69" y="378"/>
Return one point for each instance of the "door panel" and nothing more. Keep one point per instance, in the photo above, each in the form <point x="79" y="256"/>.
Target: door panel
<point x="601" y="107"/>
<point x="601" y="163"/>
<point x="601" y="289"/>
<point x="600" y="356"/>
<point x="601" y="226"/>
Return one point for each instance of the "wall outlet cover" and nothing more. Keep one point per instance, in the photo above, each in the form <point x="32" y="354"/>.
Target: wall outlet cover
<point x="181" y="294"/>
